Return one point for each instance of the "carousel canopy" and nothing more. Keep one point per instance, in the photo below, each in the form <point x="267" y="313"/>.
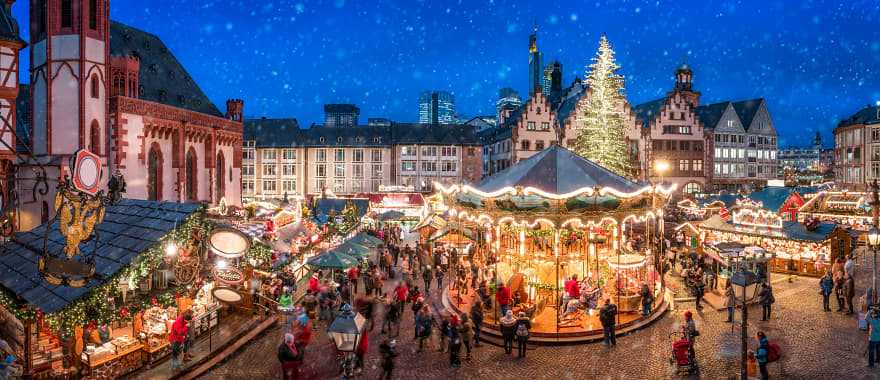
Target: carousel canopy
<point x="558" y="170"/>
<point x="129" y="228"/>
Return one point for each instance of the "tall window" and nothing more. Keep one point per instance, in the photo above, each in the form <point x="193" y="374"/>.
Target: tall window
<point x="95" y="138"/>
<point x="154" y="173"/>
<point x="96" y="91"/>
<point x="41" y="18"/>
<point x="66" y="14"/>
<point x="220" y="176"/>
<point x="93" y="14"/>
<point x="192" y="183"/>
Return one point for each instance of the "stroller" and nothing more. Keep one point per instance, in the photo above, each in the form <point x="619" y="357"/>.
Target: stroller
<point x="683" y="358"/>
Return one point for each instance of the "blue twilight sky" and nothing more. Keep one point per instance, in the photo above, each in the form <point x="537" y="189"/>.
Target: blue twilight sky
<point x="814" y="61"/>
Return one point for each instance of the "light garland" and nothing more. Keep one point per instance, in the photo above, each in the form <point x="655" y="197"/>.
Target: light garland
<point x="528" y="190"/>
<point x="741" y="217"/>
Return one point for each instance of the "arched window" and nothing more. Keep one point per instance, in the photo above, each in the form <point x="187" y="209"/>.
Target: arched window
<point x="154" y="173"/>
<point x="192" y="182"/>
<point x="220" y="174"/>
<point x="96" y="89"/>
<point x="95" y="138"/>
<point x="66" y="14"/>
<point x="93" y="14"/>
<point x="693" y="188"/>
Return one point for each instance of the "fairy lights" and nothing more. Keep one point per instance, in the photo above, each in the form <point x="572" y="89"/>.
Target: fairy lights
<point x="528" y="190"/>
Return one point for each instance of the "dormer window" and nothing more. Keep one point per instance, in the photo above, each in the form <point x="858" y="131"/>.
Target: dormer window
<point x="321" y="140"/>
<point x="339" y="140"/>
<point x="163" y="95"/>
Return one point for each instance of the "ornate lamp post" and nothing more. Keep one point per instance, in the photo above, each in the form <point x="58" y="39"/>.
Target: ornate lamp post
<point x="346" y="332"/>
<point x="874" y="237"/>
<point x="744" y="285"/>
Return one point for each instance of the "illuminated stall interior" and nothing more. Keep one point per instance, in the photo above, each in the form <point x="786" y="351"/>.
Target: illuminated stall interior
<point x="554" y="216"/>
<point x="848" y="208"/>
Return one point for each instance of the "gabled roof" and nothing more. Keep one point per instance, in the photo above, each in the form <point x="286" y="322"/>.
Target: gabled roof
<point x="711" y="114"/>
<point x="8" y="25"/>
<point x="774" y="197"/>
<point x="866" y="116"/>
<point x="567" y="107"/>
<point x="647" y="111"/>
<point x="514" y="116"/>
<point x="557" y="170"/>
<point x="324" y="207"/>
<point x="492" y="135"/>
<point x="270" y="133"/>
<point x="162" y="77"/>
<point x="746" y="110"/>
<point x="130" y="228"/>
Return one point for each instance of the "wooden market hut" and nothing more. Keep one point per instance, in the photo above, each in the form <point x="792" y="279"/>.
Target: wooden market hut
<point x="128" y="243"/>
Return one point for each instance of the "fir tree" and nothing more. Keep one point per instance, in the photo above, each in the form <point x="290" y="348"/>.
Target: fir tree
<point x="601" y="127"/>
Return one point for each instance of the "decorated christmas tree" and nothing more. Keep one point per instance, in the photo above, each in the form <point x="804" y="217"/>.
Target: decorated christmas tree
<point x="601" y="136"/>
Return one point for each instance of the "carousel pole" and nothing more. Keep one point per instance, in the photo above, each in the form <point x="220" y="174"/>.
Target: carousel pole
<point x="556" y="284"/>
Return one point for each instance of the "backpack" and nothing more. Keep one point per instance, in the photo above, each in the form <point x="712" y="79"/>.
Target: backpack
<point x="773" y="352"/>
<point x="522" y="331"/>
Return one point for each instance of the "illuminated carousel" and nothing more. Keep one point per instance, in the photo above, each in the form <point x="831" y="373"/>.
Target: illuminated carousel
<point x="563" y="234"/>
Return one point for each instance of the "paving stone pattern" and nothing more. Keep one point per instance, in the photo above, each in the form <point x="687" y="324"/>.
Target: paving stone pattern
<point x="815" y="344"/>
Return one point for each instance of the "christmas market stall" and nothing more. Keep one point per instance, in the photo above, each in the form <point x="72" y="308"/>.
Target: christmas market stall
<point x="562" y="234"/>
<point x="93" y="292"/>
<point x="844" y="207"/>
<point x="796" y="248"/>
<point x="785" y="201"/>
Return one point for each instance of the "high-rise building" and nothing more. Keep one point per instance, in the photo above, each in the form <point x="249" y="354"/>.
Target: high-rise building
<point x="436" y="107"/>
<point x="536" y="77"/>
<point x="508" y="99"/>
<point x="341" y="115"/>
<point x="552" y="79"/>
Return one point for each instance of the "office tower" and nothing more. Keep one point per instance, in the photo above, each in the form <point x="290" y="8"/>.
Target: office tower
<point x="436" y="107"/>
<point x="341" y="115"/>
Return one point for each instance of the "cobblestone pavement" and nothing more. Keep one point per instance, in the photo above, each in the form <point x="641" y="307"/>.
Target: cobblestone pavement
<point x="815" y="345"/>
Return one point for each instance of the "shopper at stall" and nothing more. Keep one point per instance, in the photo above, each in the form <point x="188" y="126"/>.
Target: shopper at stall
<point x="729" y="301"/>
<point x="699" y="289"/>
<point x="177" y="338"/>
<point x="353" y="274"/>
<point x="838" y="290"/>
<point x="477" y="318"/>
<point x="849" y="291"/>
<point x="608" y="317"/>
<point x="826" y="286"/>
<point x="386" y="349"/>
<point x="502" y="298"/>
<point x="508" y="331"/>
<point x="290" y="357"/>
<point x="522" y="330"/>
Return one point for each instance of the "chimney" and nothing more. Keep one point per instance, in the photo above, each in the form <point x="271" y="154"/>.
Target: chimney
<point x="234" y="109"/>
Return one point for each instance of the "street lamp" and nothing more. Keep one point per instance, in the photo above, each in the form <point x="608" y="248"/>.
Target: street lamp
<point x="745" y="284"/>
<point x="346" y="331"/>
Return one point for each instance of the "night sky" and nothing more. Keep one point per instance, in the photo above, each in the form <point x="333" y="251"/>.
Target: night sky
<point x="814" y="61"/>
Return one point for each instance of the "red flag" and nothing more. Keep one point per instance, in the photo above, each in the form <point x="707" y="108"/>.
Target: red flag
<point x="724" y="214"/>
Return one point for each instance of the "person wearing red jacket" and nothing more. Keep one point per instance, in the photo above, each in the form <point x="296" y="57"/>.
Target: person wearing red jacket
<point x="314" y="284"/>
<point x="353" y="278"/>
<point x="572" y="288"/>
<point x="502" y="297"/>
<point x="361" y="351"/>
<point x="177" y="338"/>
<point x="400" y="292"/>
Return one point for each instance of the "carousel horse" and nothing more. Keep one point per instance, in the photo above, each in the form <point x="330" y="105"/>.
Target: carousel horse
<point x="590" y="298"/>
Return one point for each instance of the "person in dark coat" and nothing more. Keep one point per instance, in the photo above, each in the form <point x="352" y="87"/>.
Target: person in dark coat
<point x="826" y="287"/>
<point x="386" y="349"/>
<point x="766" y="299"/>
<point x="608" y="316"/>
<point x="508" y="331"/>
<point x="522" y="331"/>
<point x="838" y="292"/>
<point x="647" y="299"/>
<point x="849" y="292"/>
<point x="290" y="357"/>
<point x="427" y="276"/>
<point x="477" y="319"/>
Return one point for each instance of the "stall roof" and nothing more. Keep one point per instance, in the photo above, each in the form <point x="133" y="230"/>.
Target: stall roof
<point x="403" y="199"/>
<point x="324" y="206"/>
<point x="790" y="230"/>
<point x="453" y="228"/>
<point x="729" y="200"/>
<point x="774" y="197"/>
<point x="130" y="227"/>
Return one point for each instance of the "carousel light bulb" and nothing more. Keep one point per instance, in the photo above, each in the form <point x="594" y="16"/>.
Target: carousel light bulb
<point x="170" y="249"/>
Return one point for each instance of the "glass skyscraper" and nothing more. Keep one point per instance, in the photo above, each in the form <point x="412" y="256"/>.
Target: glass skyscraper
<point x="437" y="107"/>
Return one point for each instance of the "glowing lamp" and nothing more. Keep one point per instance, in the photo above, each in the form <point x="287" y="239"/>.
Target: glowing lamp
<point x="170" y="249"/>
<point x="346" y="329"/>
<point x="874" y="237"/>
<point x="661" y="166"/>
